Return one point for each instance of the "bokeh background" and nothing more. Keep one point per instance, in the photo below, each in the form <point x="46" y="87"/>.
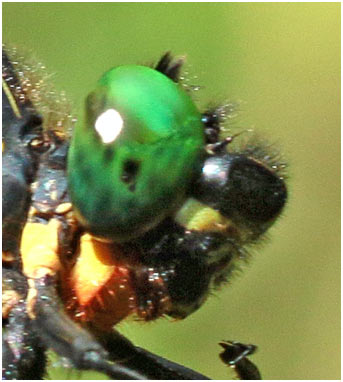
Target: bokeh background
<point x="282" y="60"/>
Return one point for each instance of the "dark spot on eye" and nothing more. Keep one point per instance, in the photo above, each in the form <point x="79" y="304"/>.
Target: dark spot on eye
<point x="129" y="174"/>
<point x="108" y="154"/>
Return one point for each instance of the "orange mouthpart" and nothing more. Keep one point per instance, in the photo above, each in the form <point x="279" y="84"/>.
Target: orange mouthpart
<point x="98" y="285"/>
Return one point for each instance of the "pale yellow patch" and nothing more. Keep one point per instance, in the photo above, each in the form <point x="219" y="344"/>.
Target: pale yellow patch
<point x="39" y="248"/>
<point x="196" y="216"/>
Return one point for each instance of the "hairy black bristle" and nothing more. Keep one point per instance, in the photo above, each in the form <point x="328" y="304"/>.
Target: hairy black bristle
<point x="264" y="152"/>
<point x="169" y="66"/>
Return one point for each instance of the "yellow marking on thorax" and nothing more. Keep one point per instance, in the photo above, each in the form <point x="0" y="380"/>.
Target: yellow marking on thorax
<point x="39" y="248"/>
<point x="11" y="99"/>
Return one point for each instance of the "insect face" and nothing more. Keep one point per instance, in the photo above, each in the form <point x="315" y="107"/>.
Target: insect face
<point x="134" y="158"/>
<point x="143" y="212"/>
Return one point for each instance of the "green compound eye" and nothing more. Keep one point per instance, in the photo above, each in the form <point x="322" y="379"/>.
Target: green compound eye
<point x="130" y="163"/>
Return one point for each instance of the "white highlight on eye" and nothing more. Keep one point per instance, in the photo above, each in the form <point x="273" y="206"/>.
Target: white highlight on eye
<point x="215" y="171"/>
<point x="109" y="124"/>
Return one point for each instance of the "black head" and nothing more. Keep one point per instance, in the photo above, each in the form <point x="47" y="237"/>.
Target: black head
<point x="243" y="189"/>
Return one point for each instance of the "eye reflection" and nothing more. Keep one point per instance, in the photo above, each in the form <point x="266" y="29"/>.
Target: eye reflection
<point x="215" y="171"/>
<point x="108" y="125"/>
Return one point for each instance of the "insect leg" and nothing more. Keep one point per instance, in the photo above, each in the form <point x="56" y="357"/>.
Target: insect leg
<point x="151" y="365"/>
<point x="66" y="338"/>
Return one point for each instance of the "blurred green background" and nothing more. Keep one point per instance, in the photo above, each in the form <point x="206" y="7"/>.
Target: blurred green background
<point x="283" y="61"/>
